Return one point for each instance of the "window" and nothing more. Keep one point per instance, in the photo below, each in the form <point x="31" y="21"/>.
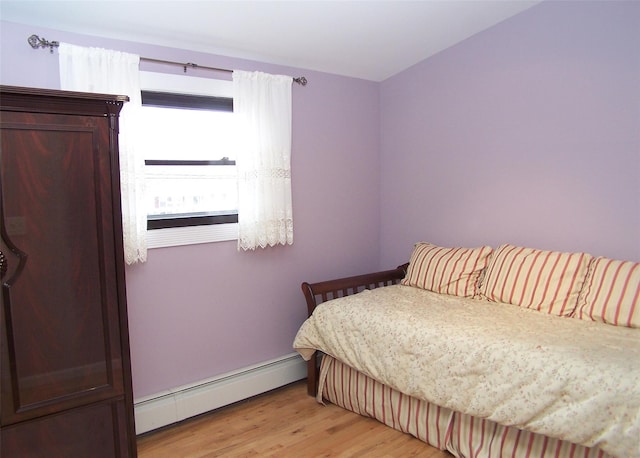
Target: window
<point x="190" y="175"/>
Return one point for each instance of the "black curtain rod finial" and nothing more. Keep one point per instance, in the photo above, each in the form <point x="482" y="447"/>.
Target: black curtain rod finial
<point x="301" y="80"/>
<point x="36" y="42"/>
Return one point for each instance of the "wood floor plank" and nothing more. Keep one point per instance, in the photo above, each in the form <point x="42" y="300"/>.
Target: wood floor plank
<point x="283" y="423"/>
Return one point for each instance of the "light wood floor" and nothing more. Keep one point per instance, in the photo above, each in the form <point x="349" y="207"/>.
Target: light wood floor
<point x="283" y="423"/>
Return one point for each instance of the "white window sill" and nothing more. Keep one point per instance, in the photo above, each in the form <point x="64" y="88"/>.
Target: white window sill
<point x="192" y="235"/>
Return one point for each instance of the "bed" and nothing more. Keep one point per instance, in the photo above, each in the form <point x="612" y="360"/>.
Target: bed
<point x="476" y="376"/>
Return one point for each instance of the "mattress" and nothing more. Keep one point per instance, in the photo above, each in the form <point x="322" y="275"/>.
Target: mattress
<point x="564" y="378"/>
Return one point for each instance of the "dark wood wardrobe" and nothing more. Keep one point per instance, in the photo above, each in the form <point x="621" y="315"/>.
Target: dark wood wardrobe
<point x="65" y="377"/>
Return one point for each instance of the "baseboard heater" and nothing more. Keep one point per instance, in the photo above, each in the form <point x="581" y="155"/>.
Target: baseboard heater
<point x="171" y="406"/>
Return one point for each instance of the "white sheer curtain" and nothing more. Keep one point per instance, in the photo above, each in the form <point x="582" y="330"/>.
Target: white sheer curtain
<point x="262" y="103"/>
<point x="113" y="72"/>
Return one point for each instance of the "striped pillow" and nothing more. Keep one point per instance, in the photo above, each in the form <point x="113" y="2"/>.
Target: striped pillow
<point x="611" y="293"/>
<point x="548" y="281"/>
<point x="453" y="271"/>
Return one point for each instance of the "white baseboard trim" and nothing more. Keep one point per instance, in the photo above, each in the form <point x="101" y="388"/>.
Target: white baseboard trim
<point x="180" y="403"/>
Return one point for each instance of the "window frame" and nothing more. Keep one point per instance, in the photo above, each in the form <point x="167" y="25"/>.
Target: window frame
<point x="199" y="229"/>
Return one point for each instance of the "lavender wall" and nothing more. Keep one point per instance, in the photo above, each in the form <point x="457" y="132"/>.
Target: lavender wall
<point x="527" y="133"/>
<point x="202" y="310"/>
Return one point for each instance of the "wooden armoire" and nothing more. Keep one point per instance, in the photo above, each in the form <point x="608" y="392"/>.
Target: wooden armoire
<point x="65" y="377"/>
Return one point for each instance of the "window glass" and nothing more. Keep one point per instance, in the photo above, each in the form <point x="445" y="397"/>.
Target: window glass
<point x="190" y="175"/>
<point x="181" y="134"/>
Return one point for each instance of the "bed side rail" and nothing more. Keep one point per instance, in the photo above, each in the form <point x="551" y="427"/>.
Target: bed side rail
<point x="317" y="293"/>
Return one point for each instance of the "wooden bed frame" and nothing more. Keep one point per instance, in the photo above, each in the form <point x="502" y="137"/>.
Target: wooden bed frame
<point x="317" y="293"/>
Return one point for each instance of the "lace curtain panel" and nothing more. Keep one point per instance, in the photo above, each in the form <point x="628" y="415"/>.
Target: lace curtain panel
<point x="113" y="72"/>
<point x="262" y="103"/>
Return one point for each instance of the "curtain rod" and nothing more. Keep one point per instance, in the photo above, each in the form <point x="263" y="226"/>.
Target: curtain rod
<point x="36" y="42"/>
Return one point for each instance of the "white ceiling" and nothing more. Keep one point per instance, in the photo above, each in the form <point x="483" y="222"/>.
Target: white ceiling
<point x="372" y="39"/>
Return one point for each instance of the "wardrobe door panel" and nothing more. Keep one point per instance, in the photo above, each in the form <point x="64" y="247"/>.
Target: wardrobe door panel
<point x="59" y="294"/>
